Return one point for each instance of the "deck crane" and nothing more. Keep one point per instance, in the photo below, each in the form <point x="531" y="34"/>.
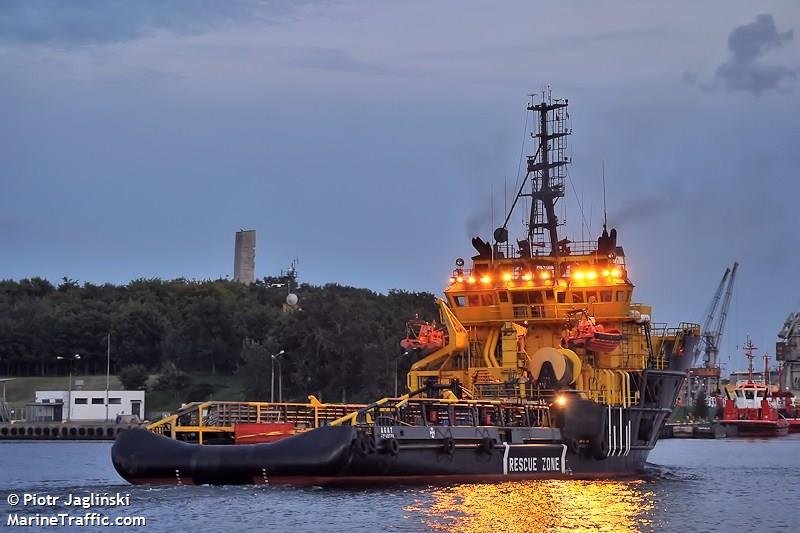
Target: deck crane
<point x="712" y="336"/>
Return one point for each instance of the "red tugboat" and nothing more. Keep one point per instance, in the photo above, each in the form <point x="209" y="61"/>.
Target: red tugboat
<point x="749" y="413"/>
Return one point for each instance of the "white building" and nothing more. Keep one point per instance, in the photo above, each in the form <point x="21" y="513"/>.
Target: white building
<point x="91" y="404"/>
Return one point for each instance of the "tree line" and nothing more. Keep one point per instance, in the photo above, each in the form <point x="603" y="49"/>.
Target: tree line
<point x="340" y="342"/>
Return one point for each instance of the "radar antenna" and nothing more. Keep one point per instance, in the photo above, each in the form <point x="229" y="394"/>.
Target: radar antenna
<point x="546" y="171"/>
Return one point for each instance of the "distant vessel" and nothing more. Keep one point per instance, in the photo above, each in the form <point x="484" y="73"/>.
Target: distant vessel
<point x="751" y="411"/>
<point x="543" y="368"/>
<point x="786" y="405"/>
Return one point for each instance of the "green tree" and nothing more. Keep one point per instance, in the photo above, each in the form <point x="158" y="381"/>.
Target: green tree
<point x="255" y="369"/>
<point x="342" y="342"/>
<point x="174" y="380"/>
<point x="133" y="377"/>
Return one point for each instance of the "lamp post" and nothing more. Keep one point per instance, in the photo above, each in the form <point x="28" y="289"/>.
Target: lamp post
<point x="280" y="380"/>
<point x="75" y="357"/>
<point x="108" y="369"/>
<point x="272" y="375"/>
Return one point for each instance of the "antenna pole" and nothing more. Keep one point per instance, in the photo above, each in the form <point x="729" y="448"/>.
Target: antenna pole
<point x="491" y="222"/>
<point x="605" y="215"/>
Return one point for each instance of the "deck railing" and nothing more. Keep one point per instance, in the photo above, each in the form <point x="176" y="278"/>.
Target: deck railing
<point x="199" y="420"/>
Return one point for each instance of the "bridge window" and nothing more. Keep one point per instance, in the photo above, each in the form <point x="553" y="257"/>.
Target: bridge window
<point x="605" y="296"/>
<point x="519" y="298"/>
<point x="487" y="299"/>
<point x="461" y="301"/>
<point x="549" y="295"/>
<point x="474" y="300"/>
<point x="591" y="296"/>
<point x="503" y="296"/>
<point x="577" y="297"/>
<point x="562" y="297"/>
<point x="621" y="296"/>
<point x="748" y="394"/>
<point x="536" y="297"/>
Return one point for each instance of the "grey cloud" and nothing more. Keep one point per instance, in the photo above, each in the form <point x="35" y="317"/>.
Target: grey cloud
<point x="748" y="44"/>
<point x="332" y="59"/>
<point x="55" y="22"/>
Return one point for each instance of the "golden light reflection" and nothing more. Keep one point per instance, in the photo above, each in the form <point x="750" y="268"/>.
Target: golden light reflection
<point x="531" y="506"/>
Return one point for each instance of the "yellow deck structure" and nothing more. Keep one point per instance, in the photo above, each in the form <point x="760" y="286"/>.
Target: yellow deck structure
<point x="215" y="421"/>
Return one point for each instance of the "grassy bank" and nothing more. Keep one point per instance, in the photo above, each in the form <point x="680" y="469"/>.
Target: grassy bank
<point x="20" y="391"/>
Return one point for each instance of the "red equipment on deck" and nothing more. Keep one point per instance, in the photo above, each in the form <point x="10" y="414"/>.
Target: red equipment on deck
<point x="257" y="433"/>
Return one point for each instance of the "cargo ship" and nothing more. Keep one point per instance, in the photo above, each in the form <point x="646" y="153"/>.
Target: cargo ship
<point x="540" y="366"/>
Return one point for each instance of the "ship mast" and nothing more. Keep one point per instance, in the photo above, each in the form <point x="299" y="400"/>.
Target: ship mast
<point x="546" y="170"/>
<point x="748" y="352"/>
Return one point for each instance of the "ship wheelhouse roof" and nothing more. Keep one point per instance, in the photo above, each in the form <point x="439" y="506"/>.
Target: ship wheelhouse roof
<point x="507" y="285"/>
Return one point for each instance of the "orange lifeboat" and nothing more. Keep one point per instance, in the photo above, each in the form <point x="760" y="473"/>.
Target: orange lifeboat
<point x="422" y="337"/>
<point x="592" y="336"/>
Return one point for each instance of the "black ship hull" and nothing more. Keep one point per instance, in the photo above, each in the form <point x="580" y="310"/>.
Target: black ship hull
<point x="329" y="457"/>
<point x="585" y="440"/>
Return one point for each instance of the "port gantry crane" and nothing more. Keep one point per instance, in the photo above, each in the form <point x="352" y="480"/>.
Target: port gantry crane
<point x="712" y="336"/>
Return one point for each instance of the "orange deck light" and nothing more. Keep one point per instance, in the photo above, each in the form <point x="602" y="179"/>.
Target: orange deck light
<point x="591" y="275"/>
<point x="616" y="273"/>
<point x="471" y="279"/>
<point x="485" y="279"/>
<point x="606" y="273"/>
<point x="452" y="280"/>
<point x="527" y="276"/>
<point x="545" y="275"/>
<point x="578" y="275"/>
<point x="506" y="276"/>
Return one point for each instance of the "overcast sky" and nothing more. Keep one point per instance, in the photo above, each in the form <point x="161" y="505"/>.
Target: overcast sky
<point x="367" y="138"/>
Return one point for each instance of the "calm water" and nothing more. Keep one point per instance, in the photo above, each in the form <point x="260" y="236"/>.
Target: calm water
<point x="706" y="485"/>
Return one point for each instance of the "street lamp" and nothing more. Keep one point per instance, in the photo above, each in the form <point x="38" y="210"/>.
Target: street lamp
<point x="75" y="357"/>
<point x="108" y="369"/>
<point x="272" y="376"/>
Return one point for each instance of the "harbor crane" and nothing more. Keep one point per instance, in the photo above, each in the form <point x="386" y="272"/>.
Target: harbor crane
<point x="712" y="333"/>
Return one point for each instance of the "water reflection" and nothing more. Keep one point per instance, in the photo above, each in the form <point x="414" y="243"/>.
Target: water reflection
<point x="554" y="505"/>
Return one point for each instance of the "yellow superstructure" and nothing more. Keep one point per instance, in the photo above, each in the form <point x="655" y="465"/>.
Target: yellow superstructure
<point x="544" y="311"/>
<point x="506" y="317"/>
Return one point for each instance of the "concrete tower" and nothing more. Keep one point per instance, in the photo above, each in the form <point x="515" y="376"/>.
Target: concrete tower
<point x="244" y="258"/>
